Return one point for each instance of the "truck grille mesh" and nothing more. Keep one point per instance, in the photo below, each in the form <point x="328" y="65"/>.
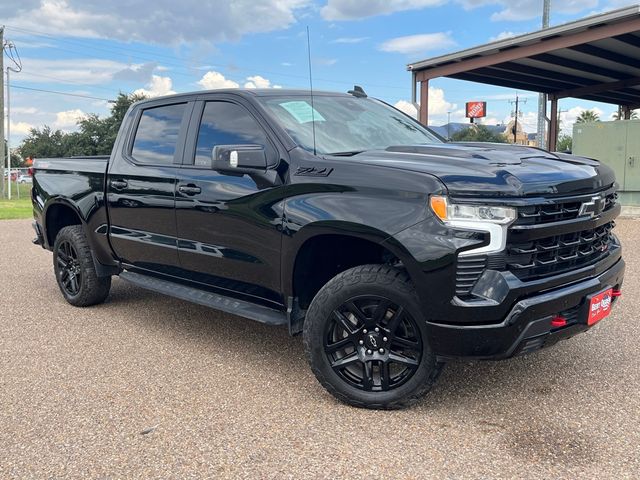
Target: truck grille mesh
<point x="559" y="211"/>
<point x="559" y="253"/>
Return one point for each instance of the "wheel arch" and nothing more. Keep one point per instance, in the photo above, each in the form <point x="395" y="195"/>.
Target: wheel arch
<point x="60" y="213"/>
<point x="322" y="250"/>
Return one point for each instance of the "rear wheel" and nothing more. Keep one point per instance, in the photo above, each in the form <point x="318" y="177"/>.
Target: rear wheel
<point x="75" y="270"/>
<point x="365" y="339"/>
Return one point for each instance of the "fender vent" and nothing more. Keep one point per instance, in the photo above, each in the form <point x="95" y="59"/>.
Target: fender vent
<point x="468" y="271"/>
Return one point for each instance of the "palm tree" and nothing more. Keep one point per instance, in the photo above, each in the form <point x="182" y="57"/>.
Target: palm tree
<point x="619" y="116"/>
<point x="588" y="116"/>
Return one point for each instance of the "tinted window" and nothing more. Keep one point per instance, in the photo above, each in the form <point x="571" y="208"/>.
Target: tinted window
<point x="225" y="123"/>
<point x="157" y="134"/>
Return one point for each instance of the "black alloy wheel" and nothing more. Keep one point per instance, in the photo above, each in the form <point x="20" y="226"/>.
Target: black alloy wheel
<point x="69" y="268"/>
<point x="373" y="344"/>
<point x="365" y="337"/>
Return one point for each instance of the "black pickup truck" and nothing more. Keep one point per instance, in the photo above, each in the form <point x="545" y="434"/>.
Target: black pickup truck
<point x="340" y="217"/>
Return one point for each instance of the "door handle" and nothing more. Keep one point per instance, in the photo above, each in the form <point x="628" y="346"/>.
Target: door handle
<point x="190" y="189"/>
<point x="118" y="184"/>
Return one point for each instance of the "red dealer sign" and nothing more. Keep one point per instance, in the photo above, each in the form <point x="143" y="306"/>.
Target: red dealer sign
<point x="476" y="109"/>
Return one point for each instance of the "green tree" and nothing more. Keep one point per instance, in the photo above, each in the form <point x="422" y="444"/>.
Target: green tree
<point x="478" y="133"/>
<point x="588" y="116"/>
<point x="95" y="135"/>
<point x="619" y="116"/>
<point x="565" y="143"/>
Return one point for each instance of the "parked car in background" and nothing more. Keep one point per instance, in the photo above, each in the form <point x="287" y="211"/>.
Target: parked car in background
<point x="25" y="179"/>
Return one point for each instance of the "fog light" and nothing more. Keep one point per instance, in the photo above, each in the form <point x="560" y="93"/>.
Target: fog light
<point x="558" y="321"/>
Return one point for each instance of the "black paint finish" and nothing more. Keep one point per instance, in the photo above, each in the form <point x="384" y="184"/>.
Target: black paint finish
<point x="240" y="233"/>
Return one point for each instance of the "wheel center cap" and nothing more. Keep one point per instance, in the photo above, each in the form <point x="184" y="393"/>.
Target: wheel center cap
<point x="373" y="341"/>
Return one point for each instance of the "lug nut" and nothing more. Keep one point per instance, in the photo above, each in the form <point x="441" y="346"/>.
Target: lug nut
<point x="361" y="342"/>
<point x="381" y="350"/>
<point x="369" y="352"/>
<point x="384" y="339"/>
<point x="377" y="329"/>
<point x="364" y="331"/>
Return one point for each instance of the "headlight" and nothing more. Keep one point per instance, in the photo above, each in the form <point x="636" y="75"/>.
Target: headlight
<point x="450" y="212"/>
<point x="494" y="220"/>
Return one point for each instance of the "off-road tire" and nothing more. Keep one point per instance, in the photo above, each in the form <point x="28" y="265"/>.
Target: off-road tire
<point x="395" y="285"/>
<point x="92" y="288"/>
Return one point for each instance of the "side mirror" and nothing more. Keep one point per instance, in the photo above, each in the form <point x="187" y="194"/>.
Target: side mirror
<point x="238" y="157"/>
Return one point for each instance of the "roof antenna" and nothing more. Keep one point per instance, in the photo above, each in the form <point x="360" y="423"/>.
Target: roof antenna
<point x="313" y="119"/>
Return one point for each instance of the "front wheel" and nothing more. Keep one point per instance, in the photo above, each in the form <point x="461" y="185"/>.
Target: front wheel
<point x="365" y="339"/>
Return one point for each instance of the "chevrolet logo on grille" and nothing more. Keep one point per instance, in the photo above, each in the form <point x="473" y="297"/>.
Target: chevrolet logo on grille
<point x="593" y="207"/>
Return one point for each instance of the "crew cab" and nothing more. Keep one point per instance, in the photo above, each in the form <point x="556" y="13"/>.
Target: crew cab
<point x="343" y="219"/>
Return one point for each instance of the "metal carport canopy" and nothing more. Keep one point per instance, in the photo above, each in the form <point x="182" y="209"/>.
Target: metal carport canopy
<point x="596" y="58"/>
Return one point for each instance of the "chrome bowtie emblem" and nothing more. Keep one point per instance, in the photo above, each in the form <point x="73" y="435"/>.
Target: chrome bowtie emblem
<point x="593" y="207"/>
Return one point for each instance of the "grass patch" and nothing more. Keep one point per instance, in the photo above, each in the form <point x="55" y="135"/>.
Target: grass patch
<point x="14" y="208"/>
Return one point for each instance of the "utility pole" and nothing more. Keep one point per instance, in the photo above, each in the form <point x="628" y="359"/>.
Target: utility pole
<point x="2" y="109"/>
<point x="515" y="116"/>
<point x="448" y="125"/>
<point x="542" y="97"/>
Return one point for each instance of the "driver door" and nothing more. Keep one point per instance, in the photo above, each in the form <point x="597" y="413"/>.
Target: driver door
<point x="228" y="223"/>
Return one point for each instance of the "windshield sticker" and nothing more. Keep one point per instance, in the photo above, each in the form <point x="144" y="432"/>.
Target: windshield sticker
<point x="302" y="112"/>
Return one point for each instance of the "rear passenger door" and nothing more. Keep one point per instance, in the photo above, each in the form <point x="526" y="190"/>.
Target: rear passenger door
<point x="229" y="223"/>
<point x="141" y="187"/>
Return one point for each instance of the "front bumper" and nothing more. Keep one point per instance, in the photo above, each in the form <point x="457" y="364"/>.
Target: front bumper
<point x="527" y="327"/>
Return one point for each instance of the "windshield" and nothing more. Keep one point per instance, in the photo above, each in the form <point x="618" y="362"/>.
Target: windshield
<point x="345" y="125"/>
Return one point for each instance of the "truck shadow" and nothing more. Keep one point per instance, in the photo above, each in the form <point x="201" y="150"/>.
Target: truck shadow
<point x="460" y="385"/>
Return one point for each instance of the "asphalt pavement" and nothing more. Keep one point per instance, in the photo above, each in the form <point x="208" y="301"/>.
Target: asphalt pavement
<point x="147" y="386"/>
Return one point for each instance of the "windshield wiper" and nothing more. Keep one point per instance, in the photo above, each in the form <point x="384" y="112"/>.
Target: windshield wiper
<point x="350" y="153"/>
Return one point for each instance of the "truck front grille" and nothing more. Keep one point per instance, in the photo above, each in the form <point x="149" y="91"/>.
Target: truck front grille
<point x="563" y="209"/>
<point x="559" y="253"/>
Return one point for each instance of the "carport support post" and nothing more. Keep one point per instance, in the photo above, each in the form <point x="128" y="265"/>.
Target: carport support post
<point x="626" y="112"/>
<point x="424" y="102"/>
<point x="553" y="125"/>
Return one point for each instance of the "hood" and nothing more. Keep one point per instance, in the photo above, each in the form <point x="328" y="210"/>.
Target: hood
<point x="496" y="169"/>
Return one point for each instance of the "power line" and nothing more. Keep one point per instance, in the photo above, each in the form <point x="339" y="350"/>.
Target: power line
<point x="182" y="67"/>
<point x="61" y="93"/>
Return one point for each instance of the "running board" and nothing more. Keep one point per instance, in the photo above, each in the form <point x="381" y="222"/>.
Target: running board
<point x="213" y="300"/>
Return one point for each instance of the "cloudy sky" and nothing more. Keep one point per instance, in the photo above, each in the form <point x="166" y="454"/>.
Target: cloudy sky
<point x="93" y="48"/>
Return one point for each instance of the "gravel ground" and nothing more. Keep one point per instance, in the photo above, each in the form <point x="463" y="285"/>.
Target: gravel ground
<point x="146" y="386"/>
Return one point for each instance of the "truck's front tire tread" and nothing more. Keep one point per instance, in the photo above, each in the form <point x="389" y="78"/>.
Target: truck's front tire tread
<point x="93" y="289"/>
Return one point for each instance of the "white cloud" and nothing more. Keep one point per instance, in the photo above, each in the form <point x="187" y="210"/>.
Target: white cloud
<point x="568" y="118"/>
<point x="407" y="107"/>
<point x="515" y="10"/>
<point x="68" y="119"/>
<point x="357" y="9"/>
<point x="509" y="10"/>
<point x="157" y="87"/>
<point x="214" y="80"/>
<point x="24" y="110"/>
<point x="438" y="105"/>
<point x="20" y="128"/>
<point x="168" y="22"/>
<point x="504" y="36"/>
<point x="416" y="44"/>
<point x="257" y="81"/>
<point x="350" y="40"/>
<point x="87" y="71"/>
